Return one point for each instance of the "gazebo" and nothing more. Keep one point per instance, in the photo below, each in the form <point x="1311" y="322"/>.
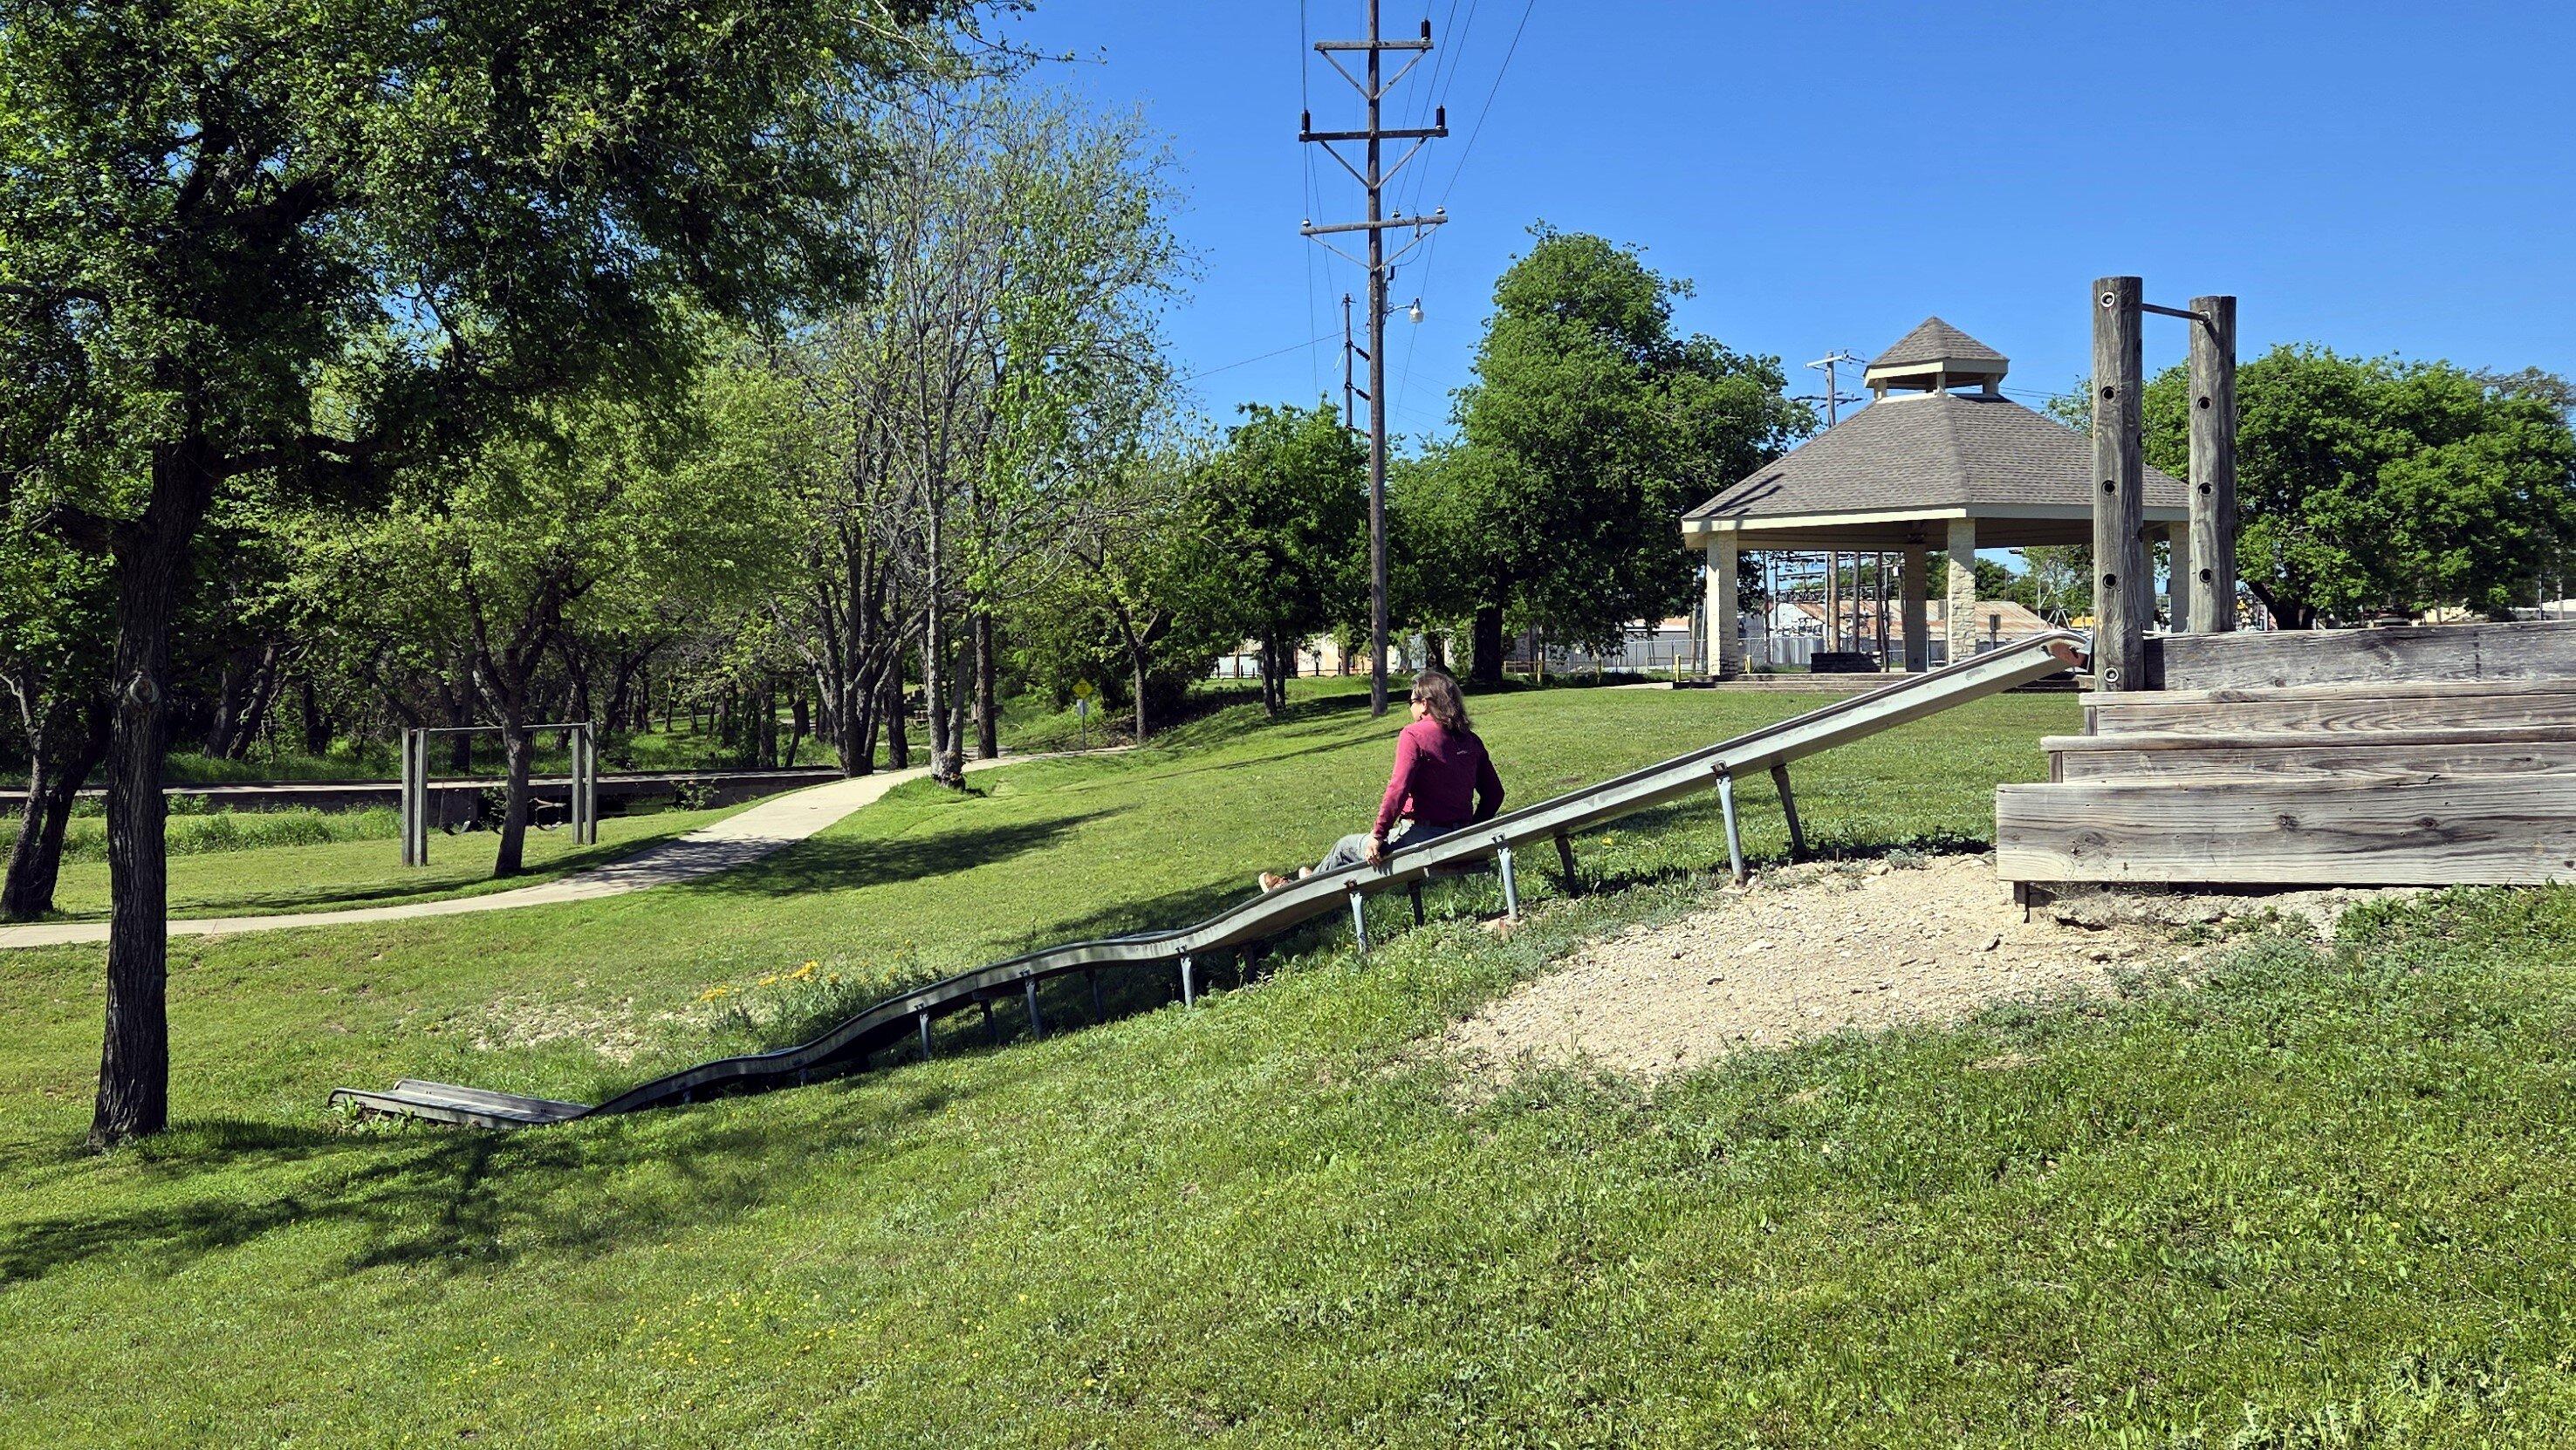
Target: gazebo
<point x="1921" y="466"/>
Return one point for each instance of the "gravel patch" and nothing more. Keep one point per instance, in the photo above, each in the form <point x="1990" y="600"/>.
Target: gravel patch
<point x="1839" y="947"/>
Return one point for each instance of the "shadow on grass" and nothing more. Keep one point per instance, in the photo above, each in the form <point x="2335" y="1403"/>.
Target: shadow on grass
<point x="833" y="863"/>
<point x="464" y="1200"/>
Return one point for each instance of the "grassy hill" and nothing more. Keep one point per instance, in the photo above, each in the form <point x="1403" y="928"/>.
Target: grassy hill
<point x="2313" y="1197"/>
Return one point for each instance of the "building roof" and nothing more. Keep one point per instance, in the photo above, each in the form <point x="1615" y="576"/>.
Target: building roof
<point x="1933" y="453"/>
<point x="1933" y="340"/>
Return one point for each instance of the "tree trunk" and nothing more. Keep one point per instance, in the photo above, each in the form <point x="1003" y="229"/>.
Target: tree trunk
<point x="1435" y="651"/>
<point x="1136" y="676"/>
<point x="517" y="747"/>
<point x="938" y="680"/>
<point x="263" y="694"/>
<point x="460" y="713"/>
<point x="150" y="561"/>
<point x="799" y="721"/>
<point x="897" y="723"/>
<point x="1485" y="646"/>
<point x="988" y="715"/>
<point x="63" y="751"/>
<point x="317" y="726"/>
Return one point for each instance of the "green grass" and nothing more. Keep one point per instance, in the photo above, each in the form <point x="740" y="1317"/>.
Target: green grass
<point x="2314" y="1198"/>
<point x="365" y="870"/>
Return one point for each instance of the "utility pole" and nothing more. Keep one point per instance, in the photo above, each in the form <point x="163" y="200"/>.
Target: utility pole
<point x="1833" y="399"/>
<point x="1373" y="85"/>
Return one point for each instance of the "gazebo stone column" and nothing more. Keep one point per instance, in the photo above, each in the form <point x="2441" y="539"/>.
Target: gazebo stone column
<point x="1959" y="617"/>
<point x="1918" y="609"/>
<point x="1723" y="658"/>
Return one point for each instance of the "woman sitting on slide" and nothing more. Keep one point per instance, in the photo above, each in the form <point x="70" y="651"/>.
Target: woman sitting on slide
<point x="1443" y="782"/>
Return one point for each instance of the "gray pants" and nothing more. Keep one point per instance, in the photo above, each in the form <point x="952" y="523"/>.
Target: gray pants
<point x="1352" y="850"/>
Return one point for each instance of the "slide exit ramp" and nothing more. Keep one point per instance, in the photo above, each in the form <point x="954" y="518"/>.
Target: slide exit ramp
<point x="1486" y="845"/>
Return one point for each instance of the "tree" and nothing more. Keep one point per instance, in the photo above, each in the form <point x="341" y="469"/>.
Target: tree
<point x="53" y="630"/>
<point x="2376" y="486"/>
<point x="1590" y="428"/>
<point x="1145" y="595"/>
<point x="1288" y="526"/>
<point x="583" y="519"/>
<point x="1006" y="357"/>
<point x="302" y="240"/>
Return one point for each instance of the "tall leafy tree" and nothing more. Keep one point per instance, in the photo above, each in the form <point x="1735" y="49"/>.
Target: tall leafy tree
<point x="1589" y="429"/>
<point x="2372" y="485"/>
<point x="440" y="209"/>
<point x="1288" y="527"/>
<point x="582" y="520"/>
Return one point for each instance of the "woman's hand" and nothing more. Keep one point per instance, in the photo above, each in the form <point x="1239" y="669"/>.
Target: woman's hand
<point x="1376" y="850"/>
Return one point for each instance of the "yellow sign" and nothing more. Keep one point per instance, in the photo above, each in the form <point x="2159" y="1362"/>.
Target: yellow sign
<point x="1082" y="690"/>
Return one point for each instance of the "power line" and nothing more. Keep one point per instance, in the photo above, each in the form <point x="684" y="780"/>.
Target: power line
<point x="1488" y="108"/>
<point x="1247" y="362"/>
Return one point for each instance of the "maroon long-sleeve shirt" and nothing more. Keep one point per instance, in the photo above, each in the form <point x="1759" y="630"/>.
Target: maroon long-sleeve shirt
<point x="1442" y="778"/>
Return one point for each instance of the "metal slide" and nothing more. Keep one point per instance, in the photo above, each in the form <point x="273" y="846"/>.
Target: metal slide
<point x="1490" y="843"/>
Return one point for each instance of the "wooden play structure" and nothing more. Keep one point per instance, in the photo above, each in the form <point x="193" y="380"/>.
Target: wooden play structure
<point x="2413" y="755"/>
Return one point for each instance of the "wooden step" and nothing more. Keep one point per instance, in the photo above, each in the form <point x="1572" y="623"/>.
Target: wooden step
<point x="2281" y="755"/>
<point x="2345" y="709"/>
<point x="2518" y="829"/>
<point x="445" y="1102"/>
<point x="2509" y="650"/>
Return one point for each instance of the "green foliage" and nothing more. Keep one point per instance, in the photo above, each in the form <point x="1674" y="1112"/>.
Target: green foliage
<point x="1589" y="430"/>
<point x="291" y="234"/>
<point x="1287" y="520"/>
<point x="1144" y="605"/>
<point x="2371" y="485"/>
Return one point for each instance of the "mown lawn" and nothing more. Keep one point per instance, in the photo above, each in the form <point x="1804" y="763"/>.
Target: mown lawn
<point x="2313" y="1195"/>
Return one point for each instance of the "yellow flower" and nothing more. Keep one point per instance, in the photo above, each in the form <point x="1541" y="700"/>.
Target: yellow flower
<point x="769" y="981"/>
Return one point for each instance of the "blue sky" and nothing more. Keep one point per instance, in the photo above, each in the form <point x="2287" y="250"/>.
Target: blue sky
<point x="2380" y="178"/>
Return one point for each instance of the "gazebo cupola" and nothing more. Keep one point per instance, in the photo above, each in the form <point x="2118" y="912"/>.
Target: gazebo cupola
<point x="1934" y="358"/>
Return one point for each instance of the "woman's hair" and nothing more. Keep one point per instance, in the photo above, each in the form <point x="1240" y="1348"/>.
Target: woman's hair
<point x="1438" y="693"/>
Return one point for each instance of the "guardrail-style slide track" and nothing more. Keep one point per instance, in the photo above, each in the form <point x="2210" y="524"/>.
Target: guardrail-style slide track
<point x="1772" y="748"/>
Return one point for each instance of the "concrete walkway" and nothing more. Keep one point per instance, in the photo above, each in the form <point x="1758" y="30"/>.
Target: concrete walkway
<point x="737" y="840"/>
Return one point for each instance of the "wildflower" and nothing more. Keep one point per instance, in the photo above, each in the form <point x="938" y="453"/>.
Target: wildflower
<point x="770" y="981"/>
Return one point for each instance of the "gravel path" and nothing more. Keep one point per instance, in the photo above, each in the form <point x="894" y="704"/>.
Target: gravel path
<point x="737" y="840"/>
<point x="1829" y="948"/>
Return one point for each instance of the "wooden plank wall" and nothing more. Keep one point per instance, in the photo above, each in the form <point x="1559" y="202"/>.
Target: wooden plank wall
<point x="2516" y="650"/>
<point x="2496" y="829"/>
<point x="2338" y="710"/>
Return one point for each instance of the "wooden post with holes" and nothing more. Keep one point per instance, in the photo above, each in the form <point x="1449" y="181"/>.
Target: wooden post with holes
<point x="2120" y="599"/>
<point x="2213" y="465"/>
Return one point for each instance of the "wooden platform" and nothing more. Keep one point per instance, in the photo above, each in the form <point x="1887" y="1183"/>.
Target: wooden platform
<point x="2413" y="756"/>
